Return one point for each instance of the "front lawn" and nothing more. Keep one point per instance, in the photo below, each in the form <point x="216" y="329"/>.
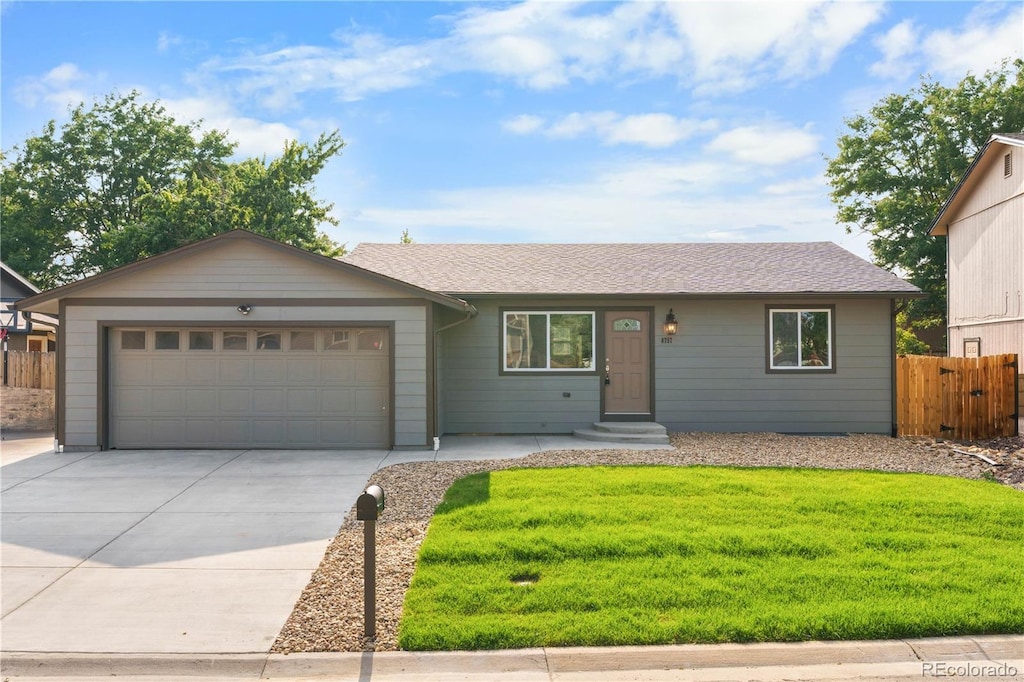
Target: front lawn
<point x="659" y="555"/>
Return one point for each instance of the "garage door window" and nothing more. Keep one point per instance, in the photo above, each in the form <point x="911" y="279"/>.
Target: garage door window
<point x="167" y="340"/>
<point x="370" y="339"/>
<point x="268" y="340"/>
<point x="302" y="341"/>
<point x="133" y="340"/>
<point x="200" y="340"/>
<point x="336" y="339"/>
<point x="235" y="341"/>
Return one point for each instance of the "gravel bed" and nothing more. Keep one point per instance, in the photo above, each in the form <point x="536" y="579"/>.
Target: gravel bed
<point x="329" y="614"/>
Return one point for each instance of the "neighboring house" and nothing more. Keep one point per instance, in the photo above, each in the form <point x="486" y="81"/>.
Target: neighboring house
<point x="983" y="222"/>
<point x="20" y="331"/>
<point x="240" y="341"/>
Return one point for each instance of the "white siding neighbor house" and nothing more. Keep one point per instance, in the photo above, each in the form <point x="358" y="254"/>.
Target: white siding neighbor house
<point x="983" y="222"/>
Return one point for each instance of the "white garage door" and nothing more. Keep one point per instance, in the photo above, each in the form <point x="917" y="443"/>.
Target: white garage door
<point x="260" y="388"/>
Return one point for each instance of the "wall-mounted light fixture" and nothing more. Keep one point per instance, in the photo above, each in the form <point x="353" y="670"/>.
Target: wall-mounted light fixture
<point x="671" y="326"/>
<point x="244" y="309"/>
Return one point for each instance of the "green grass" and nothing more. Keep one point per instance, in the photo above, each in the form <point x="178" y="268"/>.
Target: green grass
<point x="658" y="555"/>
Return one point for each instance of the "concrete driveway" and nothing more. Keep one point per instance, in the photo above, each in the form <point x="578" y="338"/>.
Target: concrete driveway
<point x="171" y="551"/>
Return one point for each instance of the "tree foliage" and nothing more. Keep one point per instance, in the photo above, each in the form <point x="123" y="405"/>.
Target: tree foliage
<point x="898" y="163"/>
<point x="122" y="180"/>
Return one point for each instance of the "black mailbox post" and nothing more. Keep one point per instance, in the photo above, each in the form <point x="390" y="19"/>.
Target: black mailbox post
<point x="368" y="509"/>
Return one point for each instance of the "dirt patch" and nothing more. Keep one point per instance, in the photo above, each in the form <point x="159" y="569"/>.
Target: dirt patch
<point x="26" y="409"/>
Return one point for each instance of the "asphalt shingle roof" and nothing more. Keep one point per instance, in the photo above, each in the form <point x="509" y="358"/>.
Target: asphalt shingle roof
<point x="616" y="269"/>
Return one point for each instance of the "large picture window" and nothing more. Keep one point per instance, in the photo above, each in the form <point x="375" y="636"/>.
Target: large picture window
<point x="800" y="339"/>
<point x="548" y="341"/>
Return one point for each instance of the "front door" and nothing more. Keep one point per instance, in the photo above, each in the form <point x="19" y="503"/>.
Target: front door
<point x="627" y="390"/>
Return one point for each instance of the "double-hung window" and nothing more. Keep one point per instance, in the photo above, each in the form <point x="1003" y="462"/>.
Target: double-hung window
<point x="800" y="339"/>
<point x="543" y="341"/>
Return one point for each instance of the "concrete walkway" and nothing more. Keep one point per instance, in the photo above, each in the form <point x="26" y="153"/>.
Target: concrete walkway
<point x="180" y="564"/>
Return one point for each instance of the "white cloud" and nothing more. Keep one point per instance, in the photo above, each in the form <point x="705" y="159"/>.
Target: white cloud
<point x="649" y="130"/>
<point x="984" y="42"/>
<point x="736" y="45"/>
<point x="61" y="87"/>
<point x="689" y="201"/>
<point x="767" y="145"/>
<point x="897" y="46"/>
<point x="524" y="124"/>
<point x="254" y="137"/>
<point x="728" y="46"/>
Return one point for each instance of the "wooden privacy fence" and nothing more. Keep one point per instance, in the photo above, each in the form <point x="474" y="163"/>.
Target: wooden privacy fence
<point x="28" y="369"/>
<point x="956" y="398"/>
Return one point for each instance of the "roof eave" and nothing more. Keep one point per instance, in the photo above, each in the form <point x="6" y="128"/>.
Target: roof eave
<point x="36" y="302"/>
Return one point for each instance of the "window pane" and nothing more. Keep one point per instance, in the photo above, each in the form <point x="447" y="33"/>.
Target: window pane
<point x="168" y="340"/>
<point x="370" y="339"/>
<point x="303" y="341"/>
<point x="626" y="325"/>
<point x="526" y="341"/>
<point x="268" y="340"/>
<point x="235" y="341"/>
<point x="336" y="339"/>
<point x="200" y="340"/>
<point x="784" y="339"/>
<point x="814" y="333"/>
<point x="572" y="341"/>
<point x="133" y="340"/>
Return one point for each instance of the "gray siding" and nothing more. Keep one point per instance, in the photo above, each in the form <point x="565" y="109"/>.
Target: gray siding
<point x="710" y="378"/>
<point x="477" y="399"/>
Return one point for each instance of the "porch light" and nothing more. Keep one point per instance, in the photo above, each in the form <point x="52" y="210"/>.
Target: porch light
<point x="671" y="326"/>
<point x="244" y="309"/>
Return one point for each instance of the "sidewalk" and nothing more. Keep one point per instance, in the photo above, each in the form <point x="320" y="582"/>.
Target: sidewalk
<point x="990" y="657"/>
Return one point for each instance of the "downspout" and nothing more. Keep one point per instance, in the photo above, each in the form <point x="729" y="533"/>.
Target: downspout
<point x="471" y="312"/>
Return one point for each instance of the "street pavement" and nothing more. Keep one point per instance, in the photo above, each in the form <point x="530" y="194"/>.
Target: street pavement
<point x="166" y="564"/>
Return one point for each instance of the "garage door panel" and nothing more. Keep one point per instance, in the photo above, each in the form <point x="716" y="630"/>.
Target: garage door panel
<point x="201" y="371"/>
<point x="268" y="431"/>
<point x="302" y="401"/>
<point x="199" y="432"/>
<point x="234" y="432"/>
<point x="245" y="396"/>
<point x="200" y="401"/>
<point x="302" y="432"/>
<point x="132" y="401"/>
<point x="268" y="401"/>
<point x="132" y="369"/>
<point x="303" y="371"/>
<point x="338" y="370"/>
<point x="235" y="400"/>
<point x="368" y="431"/>
<point x="370" y="402"/>
<point x="234" y="371"/>
<point x="371" y="370"/>
<point x="167" y="370"/>
<point x="165" y="432"/>
<point x="336" y="430"/>
<point x="270" y="370"/>
<point x="337" y="401"/>
<point x="167" y="401"/>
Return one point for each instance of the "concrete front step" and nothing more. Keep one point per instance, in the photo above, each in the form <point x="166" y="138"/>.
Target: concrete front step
<point x="625" y="432"/>
<point x="631" y="427"/>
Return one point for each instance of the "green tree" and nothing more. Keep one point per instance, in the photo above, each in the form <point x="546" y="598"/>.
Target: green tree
<point x="405" y="238"/>
<point x="123" y="180"/>
<point x="898" y="163"/>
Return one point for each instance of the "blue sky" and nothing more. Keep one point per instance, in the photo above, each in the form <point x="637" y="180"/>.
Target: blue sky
<point x="509" y="122"/>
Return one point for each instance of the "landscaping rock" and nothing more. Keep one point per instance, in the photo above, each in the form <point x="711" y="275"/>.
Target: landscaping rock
<point x="329" y="614"/>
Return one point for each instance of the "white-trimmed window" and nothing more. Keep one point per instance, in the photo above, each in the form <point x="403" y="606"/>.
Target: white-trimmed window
<point x="800" y="339"/>
<point x="548" y="341"/>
